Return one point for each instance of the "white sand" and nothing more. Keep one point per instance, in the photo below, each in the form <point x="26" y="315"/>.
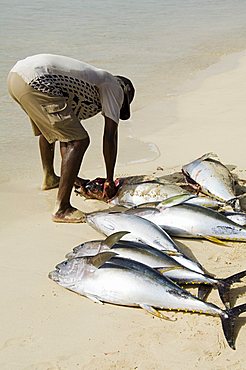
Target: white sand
<point x="44" y="326"/>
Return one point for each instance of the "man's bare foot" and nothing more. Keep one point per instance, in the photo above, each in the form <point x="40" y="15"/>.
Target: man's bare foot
<point x="70" y="215"/>
<point x="50" y="182"/>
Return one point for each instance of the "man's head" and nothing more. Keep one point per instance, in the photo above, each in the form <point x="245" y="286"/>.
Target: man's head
<point x="129" y="92"/>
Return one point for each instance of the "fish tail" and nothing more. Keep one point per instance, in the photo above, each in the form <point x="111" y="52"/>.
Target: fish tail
<point x="225" y="284"/>
<point x="235" y="203"/>
<point x="228" y="323"/>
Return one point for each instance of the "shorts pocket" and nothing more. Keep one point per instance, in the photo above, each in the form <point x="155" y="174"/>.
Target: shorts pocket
<point x="58" y="112"/>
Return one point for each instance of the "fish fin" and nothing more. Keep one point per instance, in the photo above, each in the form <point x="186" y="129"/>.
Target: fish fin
<point x="162" y="270"/>
<point x="175" y="200"/>
<point x="203" y="291"/>
<point x="210" y="155"/>
<point x="113" y="238"/>
<point x="216" y="240"/>
<point x="228" y="323"/>
<point x="225" y="284"/>
<point x="93" y="298"/>
<point x="154" y="312"/>
<point x="128" y="205"/>
<point x="171" y="253"/>
<point x="204" y="157"/>
<point x="147" y="204"/>
<point x="235" y="202"/>
<point x="70" y="255"/>
<point x="98" y="260"/>
<point x="146" y="209"/>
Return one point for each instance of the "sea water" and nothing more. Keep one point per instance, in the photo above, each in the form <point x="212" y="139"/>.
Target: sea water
<point x="159" y="44"/>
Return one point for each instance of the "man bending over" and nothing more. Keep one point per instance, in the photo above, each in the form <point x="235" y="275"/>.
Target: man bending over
<point x="57" y="92"/>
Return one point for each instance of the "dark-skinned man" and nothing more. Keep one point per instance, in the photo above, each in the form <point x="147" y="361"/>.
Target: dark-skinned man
<point x="57" y="93"/>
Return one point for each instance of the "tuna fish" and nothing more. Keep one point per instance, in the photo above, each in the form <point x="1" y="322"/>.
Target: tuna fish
<point x="211" y="177"/>
<point x="190" y="220"/>
<point x="130" y="195"/>
<point x="156" y="259"/>
<point x="125" y="282"/>
<point x="140" y="230"/>
<point x="134" y="194"/>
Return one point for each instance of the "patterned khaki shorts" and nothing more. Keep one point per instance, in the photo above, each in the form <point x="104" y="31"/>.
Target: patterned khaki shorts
<point x="50" y="116"/>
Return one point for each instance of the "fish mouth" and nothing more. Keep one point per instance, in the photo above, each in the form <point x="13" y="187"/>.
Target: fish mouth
<point x="58" y="266"/>
<point x="69" y="255"/>
<point x="54" y="275"/>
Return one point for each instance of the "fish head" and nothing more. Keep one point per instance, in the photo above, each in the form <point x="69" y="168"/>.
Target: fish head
<point x="103" y="222"/>
<point x="95" y="186"/>
<point x="85" y="249"/>
<point x="69" y="273"/>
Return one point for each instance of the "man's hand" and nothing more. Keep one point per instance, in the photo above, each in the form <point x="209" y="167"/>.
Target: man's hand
<point x="100" y="189"/>
<point x="109" y="190"/>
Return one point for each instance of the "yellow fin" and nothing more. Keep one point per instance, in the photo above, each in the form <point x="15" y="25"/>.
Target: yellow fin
<point x="162" y="270"/>
<point x="147" y="204"/>
<point x="101" y="258"/>
<point x="156" y="313"/>
<point x="217" y="241"/>
<point x="114" y="238"/>
<point x="175" y="200"/>
<point x="171" y="253"/>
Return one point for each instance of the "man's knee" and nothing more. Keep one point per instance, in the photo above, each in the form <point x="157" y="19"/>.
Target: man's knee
<point x="81" y="144"/>
<point x="86" y="142"/>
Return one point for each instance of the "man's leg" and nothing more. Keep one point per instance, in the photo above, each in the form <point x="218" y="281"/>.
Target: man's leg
<point x="72" y="154"/>
<point x="47" y="150"/>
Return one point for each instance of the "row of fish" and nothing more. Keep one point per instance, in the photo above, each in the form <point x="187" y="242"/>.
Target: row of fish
<point x="135" y="274"/>
<point x="207" y="175"/>
<point x="184" y="214"/>
<point x="139" y="264"/>
<point x="120" y="272"/>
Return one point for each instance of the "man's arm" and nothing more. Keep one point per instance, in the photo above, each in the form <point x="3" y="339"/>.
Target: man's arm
<point x="110" y="145"/>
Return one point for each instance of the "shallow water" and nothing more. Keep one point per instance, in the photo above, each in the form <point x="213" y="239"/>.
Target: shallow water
<point x="158" y="44"/>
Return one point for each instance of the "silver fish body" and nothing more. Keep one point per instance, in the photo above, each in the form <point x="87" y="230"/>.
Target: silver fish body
<point x="147" y="255"/>
<point x="237" y="217"/>
<point x="130" y="195"/>
<point x="212" y="176"/>
<point x="190" y="220"/>
<point x="140" y="230"/>
<point x="140" y="252"/>
<point x="134" y="194"/>
<point x="125" y="282"/>
<point x="165" y="264"/>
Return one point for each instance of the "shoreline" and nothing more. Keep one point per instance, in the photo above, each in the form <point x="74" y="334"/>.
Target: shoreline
<point x="57" y="329"/>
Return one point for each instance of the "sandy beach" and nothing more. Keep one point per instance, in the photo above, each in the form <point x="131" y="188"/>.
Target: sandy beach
<point x="44" y="326"/>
